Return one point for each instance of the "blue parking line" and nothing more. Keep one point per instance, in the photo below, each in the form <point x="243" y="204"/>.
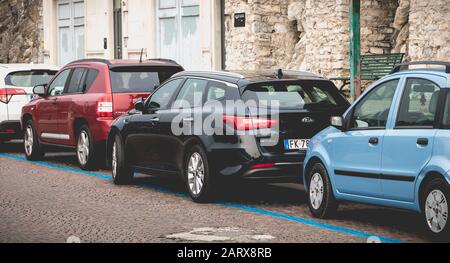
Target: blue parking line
<point x="259" y="211"/>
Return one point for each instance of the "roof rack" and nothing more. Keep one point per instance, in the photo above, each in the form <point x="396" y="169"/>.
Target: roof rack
<point x="405" y="66"/>
<point x="100" y="60"/>
<point x="281" y="73"/>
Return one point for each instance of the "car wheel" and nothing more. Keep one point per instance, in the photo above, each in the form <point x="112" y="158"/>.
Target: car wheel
<point x="85" y="148"/>
<point x="33" y="151"/>
<point x="197" y="175"/>
<point x="121" y="173"/>
<point x="435" y="209"/>
<point x="321" y="201"/>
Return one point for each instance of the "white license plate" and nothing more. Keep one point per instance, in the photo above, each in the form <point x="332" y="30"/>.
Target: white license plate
<point x="296" y="144"/>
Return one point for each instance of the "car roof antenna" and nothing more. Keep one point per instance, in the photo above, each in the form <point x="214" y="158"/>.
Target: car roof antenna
<point x="142" y="53"/>
<point x="279" y="73"/>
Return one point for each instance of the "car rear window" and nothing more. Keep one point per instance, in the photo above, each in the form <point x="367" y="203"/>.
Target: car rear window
<point x="298" y="94"/>
<point x="139" y="79"/>
<point x="29" y="78"/>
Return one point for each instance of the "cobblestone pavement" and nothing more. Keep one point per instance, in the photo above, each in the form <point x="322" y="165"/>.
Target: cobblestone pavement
<point x="53" y="201"/>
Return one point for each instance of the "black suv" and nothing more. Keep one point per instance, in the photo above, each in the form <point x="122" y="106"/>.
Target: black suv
<point x="206" y="126"/>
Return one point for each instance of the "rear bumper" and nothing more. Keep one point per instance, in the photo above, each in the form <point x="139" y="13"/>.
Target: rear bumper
<point x="10" y="130"/>
<point x="237" y="164"/>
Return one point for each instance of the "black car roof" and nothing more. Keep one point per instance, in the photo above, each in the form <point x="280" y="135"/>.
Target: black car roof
<point x="244" y="78"/>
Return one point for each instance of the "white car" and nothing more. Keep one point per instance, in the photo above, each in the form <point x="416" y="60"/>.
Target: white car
<point x="16" y="90"/>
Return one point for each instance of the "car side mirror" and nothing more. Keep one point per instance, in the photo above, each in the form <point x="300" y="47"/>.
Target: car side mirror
<point x="139" y="105"/>
<point x="40" y="90"/>
<point x="337" y="122"/>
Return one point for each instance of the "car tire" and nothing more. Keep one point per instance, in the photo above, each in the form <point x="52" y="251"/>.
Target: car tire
<point x="435" y="205"/>
<point x="197" y="175"/>
<point x="121" y="172"/>
<point x="32" y="148"/>
<point x="86" y="155"/>
<point x="321" y="200"/>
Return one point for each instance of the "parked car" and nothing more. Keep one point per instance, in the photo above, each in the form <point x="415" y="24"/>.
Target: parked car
<point x="391" y="148"/>
<point x="144" y="140"/>
<point x="77" y="107"/>
<point x="16" y="90"/>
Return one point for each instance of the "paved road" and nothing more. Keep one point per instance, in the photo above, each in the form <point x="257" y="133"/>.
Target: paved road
<point x="53" y="200"/>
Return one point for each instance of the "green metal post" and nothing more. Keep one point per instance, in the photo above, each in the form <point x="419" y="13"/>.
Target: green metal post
<point x="355" y="49"/>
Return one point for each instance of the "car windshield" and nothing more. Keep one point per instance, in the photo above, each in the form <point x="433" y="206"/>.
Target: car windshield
<point x="139" y="79"/>
<point x="299" y="94"/>
<point x="29" y="78"/>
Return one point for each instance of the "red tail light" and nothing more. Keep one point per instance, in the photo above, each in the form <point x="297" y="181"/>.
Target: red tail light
<point x="7" y="93"/>
<point x="105" y="107"/>
<point x="7" y="131"/>
<point x="248" y="123"/>
<point x="262" y="166"/>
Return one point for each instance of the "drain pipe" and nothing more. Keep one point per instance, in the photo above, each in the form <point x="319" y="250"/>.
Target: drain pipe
<point x="222" y="24"/>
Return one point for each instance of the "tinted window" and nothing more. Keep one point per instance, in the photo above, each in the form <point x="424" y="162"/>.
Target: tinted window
<point x="57" y="86"/>
<point x="90" y="78"/>
<point x="191" y="95"/>
<point x="446" y="118"/>
<point x="138" y="79"/>
<point x="161" y="98"/>
<point x="373" y="110"/>
<point x="29" y="78"/>
<point x="419" y="103"/>
<point x="76" y="81"/>
<point x="294" y="95"/>
<point x="216" y="91"/>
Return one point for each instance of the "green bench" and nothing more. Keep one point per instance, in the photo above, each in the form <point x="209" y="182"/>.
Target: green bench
<point x="374" y="67"/>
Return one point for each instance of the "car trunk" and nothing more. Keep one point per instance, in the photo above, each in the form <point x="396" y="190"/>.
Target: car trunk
<point x="131" y="83"/>
<point x="19" y="90"/>
<point x="304" y="108"/>
<point x="300" y="125"/>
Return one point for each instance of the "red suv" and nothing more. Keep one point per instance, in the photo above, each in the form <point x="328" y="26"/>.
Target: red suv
<point x="77" y="107"/>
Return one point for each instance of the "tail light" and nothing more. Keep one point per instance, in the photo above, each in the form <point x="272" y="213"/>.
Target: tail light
<point x="7" y="93"/>
<point x="262" y="166"/>
<point x="248" y="123"/>
<point x="105" y="107"/>
<point x="7" y="131"/>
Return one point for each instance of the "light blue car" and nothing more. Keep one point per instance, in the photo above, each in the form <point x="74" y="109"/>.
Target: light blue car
<point x="391" y="148"/>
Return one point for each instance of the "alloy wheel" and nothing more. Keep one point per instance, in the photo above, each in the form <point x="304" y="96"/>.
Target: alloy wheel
<point x="114" y="160"/>
<point x="83" y="148"/>
<point x="29" y="140"/>
<point x="196" y="173"/>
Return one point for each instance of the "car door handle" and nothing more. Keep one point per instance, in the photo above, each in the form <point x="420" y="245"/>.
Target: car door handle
<point x="373" y="141"/>
<point x="54" y="101"/>
<point x="422" y="141"/>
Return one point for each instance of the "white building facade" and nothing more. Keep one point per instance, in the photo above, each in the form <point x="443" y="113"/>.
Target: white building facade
<point x="187" y="31"/>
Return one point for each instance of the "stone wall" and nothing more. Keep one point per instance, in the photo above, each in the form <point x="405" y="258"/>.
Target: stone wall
<point x="429" y="30"/>
<point x="267" y="40"/>
<point x="20" y="23"/>
<point x="323" y="47"/>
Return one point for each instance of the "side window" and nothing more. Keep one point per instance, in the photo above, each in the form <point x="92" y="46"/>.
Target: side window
<point x="373" y="110"/>
<point x="56" y="88"/>
<point x="76" y="81"/>
<point x="419" y="104"/>
<point x="446" y="117"/>
<point x="216" y="91"/>
<point x="161" y="98"/>
<point x="191" y="95"/>
<point x="91" y="76"/>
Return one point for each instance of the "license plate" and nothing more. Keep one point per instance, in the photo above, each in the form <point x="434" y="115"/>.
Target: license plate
<point x="296" y="144"/>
